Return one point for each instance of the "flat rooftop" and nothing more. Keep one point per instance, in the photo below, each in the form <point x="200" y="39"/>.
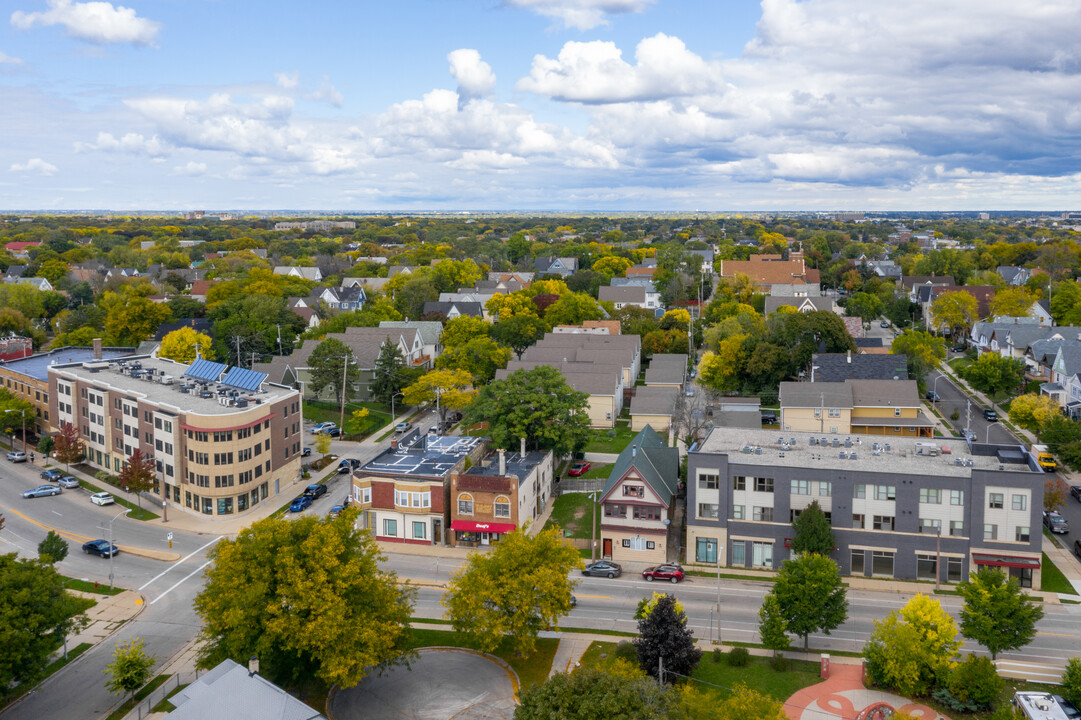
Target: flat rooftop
<point x="423" y="455"/>
<point x="518" y="465"/>
<point x="901" y="457"/>
<point x="37" y="366"/>
<point x="170" y="396"/>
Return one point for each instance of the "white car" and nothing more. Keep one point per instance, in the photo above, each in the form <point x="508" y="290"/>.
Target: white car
<point x="102" y="498"/>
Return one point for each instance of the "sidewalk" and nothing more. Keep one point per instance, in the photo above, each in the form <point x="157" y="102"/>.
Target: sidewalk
<point x="108" y="615"/>
<point x="1065" y="561"/>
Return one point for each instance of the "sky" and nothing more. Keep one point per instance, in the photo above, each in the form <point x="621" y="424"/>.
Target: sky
<point x="559" y="105"/>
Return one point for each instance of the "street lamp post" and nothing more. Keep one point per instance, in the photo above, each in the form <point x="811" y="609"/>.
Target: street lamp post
<point x="593" y="529"/>
<point x="23" y="413"/>
<point x="718" y="591"/>
<point x="392" y="415"/>
<point x="112" y="550"/>
<point x="934" y="386"/>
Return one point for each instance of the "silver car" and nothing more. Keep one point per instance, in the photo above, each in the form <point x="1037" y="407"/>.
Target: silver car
<point x="42" y="491"/>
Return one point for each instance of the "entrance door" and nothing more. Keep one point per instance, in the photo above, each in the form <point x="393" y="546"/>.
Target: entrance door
<point x="485" y="539"/>
<point x="607" y="548"/>
<point x="437" y="531"/>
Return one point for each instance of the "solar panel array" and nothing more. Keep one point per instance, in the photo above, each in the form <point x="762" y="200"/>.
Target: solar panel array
<point x="244" y="379"/>
<point x="239" y="378"/>
<point x="206" y="370"/>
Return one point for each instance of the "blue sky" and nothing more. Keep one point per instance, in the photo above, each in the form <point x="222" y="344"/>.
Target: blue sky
<point x="540" y="105"/>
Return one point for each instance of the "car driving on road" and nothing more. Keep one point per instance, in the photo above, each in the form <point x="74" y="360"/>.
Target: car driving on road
<point x="603" y="568"/>
<point x="668" y="571"/>
<point x="101" y="548"/>
<point x="42" y="491"/>
<point x="989" y="414"/>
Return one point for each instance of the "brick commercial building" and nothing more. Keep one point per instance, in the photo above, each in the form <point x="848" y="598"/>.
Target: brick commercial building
<point x="223" y="438"/>
<point x="899" y="507"/>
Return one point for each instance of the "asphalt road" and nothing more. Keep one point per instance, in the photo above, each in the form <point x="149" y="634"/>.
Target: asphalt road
<point x="954" y="399"/>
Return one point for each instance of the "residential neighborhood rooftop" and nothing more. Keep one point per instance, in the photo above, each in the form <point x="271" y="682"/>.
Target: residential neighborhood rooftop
<point x="422" y="455"/>
<point x="37" y="366"/>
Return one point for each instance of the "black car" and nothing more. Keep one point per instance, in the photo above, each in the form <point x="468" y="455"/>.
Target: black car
<point x="769" y="417"/>
<point x="101" y="548"/>
<point x="1075" y="490"/>
<point x="989" y="414"/>
<point x="51" y="475"/>
<point x="315" y="491"/>
<point x="306" y="452"/>
<point x="933" y="396"/>
<point x="334" y="432"/>
<point x="603" y="568"/>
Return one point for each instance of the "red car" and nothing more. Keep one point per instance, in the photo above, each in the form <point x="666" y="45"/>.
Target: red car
<point x="579" y="469"/>
<point x="670" y="571"/>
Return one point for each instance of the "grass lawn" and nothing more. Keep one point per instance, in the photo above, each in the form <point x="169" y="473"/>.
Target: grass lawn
<point x="601" y="440"/>
<point x="165" y="706"/>
<point x="378" y="416"/>
<point x="598" y="470"/>
<point x="531" y="670"/>
<point x="572" y="512"/>
<point x="960" y="364"/>
<point x="137" y="512"/>
<point x="758" y="675"/>
<point x="592" y="656"/>
<point x="89" y="587"/>
<point x="1054" y="580"/>
<point x="122" y="711"/>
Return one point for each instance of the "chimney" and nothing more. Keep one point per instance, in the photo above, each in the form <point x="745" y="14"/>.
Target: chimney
<point x="97" y="348"/>
<point x="849" y="357"/>
<point x="523" y="445"/>
<point x="634" y="451"/>
<point x="502" y="461"/>
<point x="253" y="665"/>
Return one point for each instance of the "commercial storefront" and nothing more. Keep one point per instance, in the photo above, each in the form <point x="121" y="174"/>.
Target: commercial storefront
<point x="473" y="534"/>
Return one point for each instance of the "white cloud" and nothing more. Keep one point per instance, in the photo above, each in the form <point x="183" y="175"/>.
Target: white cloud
<point x="6" y="59"/>
<point x="474" y="76"/>
<point x="595" y="72"/>
<point x="96" y="22"/>
<point x="287" y="80"/>
<point x="582" y="14"/>
<point x="35" y="165"/>
<point x="133" y="143"/>
<point x="327" y="93"/>
<point x="191" y="169"/>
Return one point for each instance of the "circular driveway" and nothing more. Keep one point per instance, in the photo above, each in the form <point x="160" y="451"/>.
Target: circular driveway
<point x="443" y="683"/>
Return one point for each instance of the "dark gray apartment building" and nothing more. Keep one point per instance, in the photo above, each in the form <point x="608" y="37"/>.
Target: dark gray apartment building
<point x="905" y="508"/>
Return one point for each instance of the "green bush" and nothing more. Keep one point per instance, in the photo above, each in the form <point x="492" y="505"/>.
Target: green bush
<point x="1071" y="681"/>
<point x="626" y="651"/>
<point x="955" y="415"/>
<point x="779" y="663"/>
<point x="955" y="703"/>
<point x="103" y="476"/>
<point x="717" y="654"/>
<point x="739" y="657"/>
<point x="975" y="681"/>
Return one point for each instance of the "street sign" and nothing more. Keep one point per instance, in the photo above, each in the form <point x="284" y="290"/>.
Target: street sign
<point x="169" y="536"/>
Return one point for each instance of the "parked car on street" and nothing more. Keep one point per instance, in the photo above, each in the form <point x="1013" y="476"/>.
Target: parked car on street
<point x="668" y="571"/>
<point x="42" y="491"/>
<point x="51" y="475"/>
<point x="323" y="427"/>
<point x="101" y="548"/>
<point x="336" y="510"/>
<point x="1055" y="523"/>
<point x="989" y="414"/>
<point x="68" y="482"/>
<point x="579" y="468"/>
<point x="933" y="396"/>
<point x="102" y="498"/>
<point x="306" y="451"/>
<point x="603" y="568"/>
<point x="315" y="490"/>
<point x="769" y="417"/>
<point x="884" y="323"/>
<point x="403" y="427"/>
<point x="333" y="432"/>
<point x="17" y="456"/>
<point x="1075" y="490"/>
<point x="300" y="503"/>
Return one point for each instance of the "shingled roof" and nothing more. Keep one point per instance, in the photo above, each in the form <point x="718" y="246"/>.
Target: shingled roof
<point x="651" y="457"/>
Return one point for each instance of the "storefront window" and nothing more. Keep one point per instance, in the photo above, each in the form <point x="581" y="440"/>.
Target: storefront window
<point x="858" y="559"/>
<point x="738" y="558"/>
<point x="707" y="550"/>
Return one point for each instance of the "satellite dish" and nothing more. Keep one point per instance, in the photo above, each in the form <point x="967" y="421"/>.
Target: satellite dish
<point x="667" y="522"/>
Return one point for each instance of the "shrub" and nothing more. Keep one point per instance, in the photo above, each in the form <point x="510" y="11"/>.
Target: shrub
<point x="955" y="415"/>
<point x="779" y="663"/>
<point x="975" y="681"/>
<point x="738" y="657"/>
<point x="717" y="655"/>
<point x="103" y="476"/>
<point x="1071" y="681"/>
<point x="625" y="651"/>
<point x="955" y="703"/>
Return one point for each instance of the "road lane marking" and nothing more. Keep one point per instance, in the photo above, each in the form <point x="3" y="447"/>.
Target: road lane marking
<point x="178" y="584"/>
<point x="595" y="597"/>
<point x="173" y="566"/>
<point x="1040" y="632"/>
<point x="56" y="513"/>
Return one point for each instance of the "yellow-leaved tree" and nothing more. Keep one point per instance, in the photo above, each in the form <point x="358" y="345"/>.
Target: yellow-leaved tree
<point x="181" y="345"/>
<point x="913" y="648"/>
<point x="447" y="389"/>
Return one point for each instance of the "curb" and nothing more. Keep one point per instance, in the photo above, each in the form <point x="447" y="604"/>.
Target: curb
<point x="161" y="555"/>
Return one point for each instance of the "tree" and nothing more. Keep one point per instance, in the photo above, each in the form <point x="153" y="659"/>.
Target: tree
<point x="131" y="317"/>
<point x="519" y="332"/>
<point x="1012" y="302"/>
<point x="922" y="350"/>
<point x="911" y="649"/>
<point x="480" y="357"/>
<point x="446" y="388"/>
<point x="591" y="694"/>
<point x="35" y="617"/>
<point x="308" y="597"/>
<point x="772" y="628"/>
<point x="69" y="446"/>
<point x="462" y="329"/>
<point x="333" y="365"/>
<point x="811" y="595"/>
<point x="663" y="633"/>
<point x="138" y="474"/>
<point x="53" y="548"/>
<point x="358" y="419"/>
<point x="1032" y="411"/>
<point x="720" y="371"/>
<point x="322" y="444"/>
<point x="537" y="405"/>
<point x="646" y="605"/>
<point x="955" y="310"/>
<point x="46" y="444"/>
<point x="181" y="345"/>
<point x="812" y="532"/>
<point x="130" y="668"/>
<point x="742" y="704"/>
<point x="1055" y="492"/>
<point x="1071" y="681"/>
<point x="976" y="681"/>
<point x="997" y="614"/>
<point x="612" y="266"/>
<point x="517" y="590"/>
<point x="573" y="309"/>
<point x="865" y="306"/>
<point x="993" y="373"/>
<point x="387" y="378"/>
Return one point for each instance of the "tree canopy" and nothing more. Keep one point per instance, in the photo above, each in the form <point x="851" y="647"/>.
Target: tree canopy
<point x="663" y="633"/>
<point x="811" y="595"/>
<point x="812" y="532"/>
<point x="446" y="389"/>
<point x="911" y="649"/>
<point x="996" y="613"/>
<point x="331" y="362"/>
<point x="181" y="345"/>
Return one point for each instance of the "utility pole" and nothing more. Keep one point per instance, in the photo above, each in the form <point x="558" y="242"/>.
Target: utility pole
<point x="593" y="530"/>
<point x="938" y="556"/>
<point x="280" y="351"/>
<point x="718" y="592"/>
<point x="345" y="367"/>
<point x="660" y="671"/>
<point x="968" y="417"/>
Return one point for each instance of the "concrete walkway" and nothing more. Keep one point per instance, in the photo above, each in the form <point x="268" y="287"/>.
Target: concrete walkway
<point x="843" y="695"/>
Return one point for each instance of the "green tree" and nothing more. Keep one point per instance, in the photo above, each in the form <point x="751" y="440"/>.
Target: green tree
<point x="462" y="329"/>
<point x="634" y="320"/>
<point x="68" y="445"/>
<point x="865" y="306"/>
<point x="130" y="668"/>
<point x="812" y="533"/>
<point x="306" y="596"/>
<point x="955" y="310"/>
<point x="388" y="378"/>
<point x="922" y="350"/>
<point x="46" y="444"/>
<point x="772" y="628"/>
<point x="811" y="595"/>
<point x="450" y="275"/>
<point x="53" y="548"/>
<point x="332" y="362"/>
<point x="447" y="389"/>
<point x="742" y="704"/>
<point x="663" y="633"/>
<point x="993" y="373"/>
<point x="591" y="694"/>
<point x="181" y="345"/>
<point x="517" y="590"/>
<point x="911" y="649"/>
<point x="535" y="404"/>
<point x="480" y="357"/>
<point x="976" y="680"/>
<point x="519" y="332"/>
<point x="131" y="317"/>
<point x="410" y="298"/>
<point x="35" y="617"/>
<point x="1071" y="681"/>
<point x="997" y="614"/>
<point x="138" y="474"/>
<point x="572" y="309"/>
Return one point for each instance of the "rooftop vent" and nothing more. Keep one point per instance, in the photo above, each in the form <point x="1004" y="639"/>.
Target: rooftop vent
<point x="814" y="440"/>
<point x="852" y="455"/>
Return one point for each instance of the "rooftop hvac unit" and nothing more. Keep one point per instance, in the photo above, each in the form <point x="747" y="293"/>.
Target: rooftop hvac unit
<point x="848" y="442"/>
<point x="241" y="402"/>
<point x="758" y="451"/>
<point x="852" y="455"/>
<point x="814" y="440"/>
<point x="792" y="442"/>
<point x="836" y="442"/>
<point x="166" y="380"/>
<point x="886" y="447"/>
<point x="746" y="450"/>
<point x="843" y="455"/>
<point x="785" y="446"/>
<point x="780" y="441"/>
<point x="876" y="453"/>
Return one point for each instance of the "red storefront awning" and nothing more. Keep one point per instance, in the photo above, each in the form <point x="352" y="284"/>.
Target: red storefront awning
<point x="488" y="527"/>
<point x="1006" y="561"/>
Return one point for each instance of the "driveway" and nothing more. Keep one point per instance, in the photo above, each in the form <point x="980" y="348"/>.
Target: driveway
<point x="442" y="683"/>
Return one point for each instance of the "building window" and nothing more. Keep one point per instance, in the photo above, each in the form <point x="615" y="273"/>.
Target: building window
<point x="858" y="521"/>
<point x="882" y="522"/>
<point x="708" y="482"/>
<point x="502" y="507"/>
<point x="739" y="512"/>
<point x="990" y="532"/>
<point x="897" y="412"/>
<point x="763" y="514"/>
<point x="706" y="551"/>
<point x="1021" y="533"/>
<point x="1019" y="502"/>
<point x="995" y="501"/>
<point x="208" y="506"/>
<point x="859" y="491"/>
<point x="957" y="528"/>
<point x="763" y="484"/>
<point x="637" y="491"/>
<point x="646" y="512"/>
<point x="926" y="567"/>
<point x="858" y="558"/>
<point x="957" y="497"/>
<point x="707" y="511"/>
<point x="762" y="555"/>
<point x="225" y="506"/>
<point x="885" y="492"/>
<point x="953" y="569"/>
<point x="801" y="487"/>
<point x="739" y="482"/>
<point x="825" y="489"/>
<point x="419" y="530"/>
<point x="930" y="526"/>
<point x="882" y="563"/>
<point x="835" y="413"/>
<point x="390" y="528"/>
<point x="931" y="496"/>
<point x="738" y="556"/>
<point x="465" y="504"/>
